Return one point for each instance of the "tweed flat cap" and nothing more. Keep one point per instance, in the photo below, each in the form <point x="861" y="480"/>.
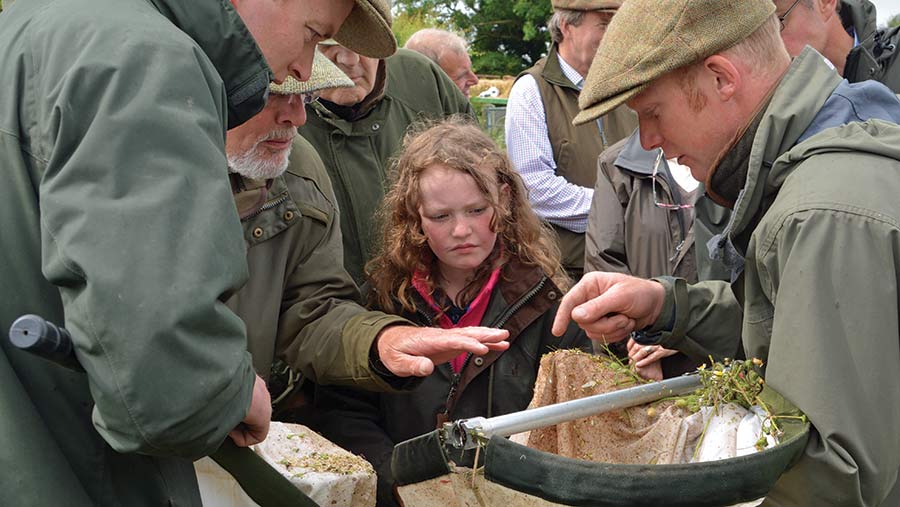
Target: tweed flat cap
<point x="586" y="5"/>
<point x="367" y="30"/>
<point x="325" y="75"/>
<point x="649" y="38"/>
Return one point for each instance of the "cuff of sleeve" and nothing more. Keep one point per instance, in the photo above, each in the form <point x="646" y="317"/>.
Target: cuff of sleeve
<point x="670" y="326"/>
<point x="359" y="336"/>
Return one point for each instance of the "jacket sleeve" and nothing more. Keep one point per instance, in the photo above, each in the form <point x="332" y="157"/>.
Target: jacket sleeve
<point x="141" y="236"/>
<point x="833" y="351"/>
<point x="700" y="320"/>
<point x="604" y="248"/>
<point x="323" y="332"/>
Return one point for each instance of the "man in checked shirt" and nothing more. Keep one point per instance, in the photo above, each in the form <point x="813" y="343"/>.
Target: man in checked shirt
<point x="557" y="160"/>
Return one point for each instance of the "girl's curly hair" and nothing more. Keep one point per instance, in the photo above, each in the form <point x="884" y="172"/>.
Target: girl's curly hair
<point x="459" y="144"/>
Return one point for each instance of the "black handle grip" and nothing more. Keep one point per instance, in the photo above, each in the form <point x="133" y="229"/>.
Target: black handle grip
<point x="42" y="338"/>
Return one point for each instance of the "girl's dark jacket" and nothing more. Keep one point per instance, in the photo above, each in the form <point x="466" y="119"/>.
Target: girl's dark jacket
<point x="524" y="302"/>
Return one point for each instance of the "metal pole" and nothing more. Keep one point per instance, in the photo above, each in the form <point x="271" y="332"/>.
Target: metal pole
<point x="463" y="433"/>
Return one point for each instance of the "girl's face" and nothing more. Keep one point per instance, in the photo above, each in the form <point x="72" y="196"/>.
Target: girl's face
<point x="456" y="220"/>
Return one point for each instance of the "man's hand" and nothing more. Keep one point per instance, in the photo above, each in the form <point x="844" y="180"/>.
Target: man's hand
<point x="609" y="306"/>
<point x="413" y="351"/>
<point x="254" y="428"/>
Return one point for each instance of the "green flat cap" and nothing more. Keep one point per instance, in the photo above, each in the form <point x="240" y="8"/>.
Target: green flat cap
<point x="325" y="75"/>
<point x="586" y="5"/>
<point x="649" y="38"/>
<point x="367" y="30"/>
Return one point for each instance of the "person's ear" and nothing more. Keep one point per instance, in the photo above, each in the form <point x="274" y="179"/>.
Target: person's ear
<point x="565" y="28"/>
<point x="826" y="9"/>
<point x="505" y="195"/>
<point x="723" y="75"/>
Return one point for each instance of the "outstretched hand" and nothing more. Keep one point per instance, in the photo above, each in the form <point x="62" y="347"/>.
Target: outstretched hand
<point x="413" y="351"/>
<point x="609" y="306"/>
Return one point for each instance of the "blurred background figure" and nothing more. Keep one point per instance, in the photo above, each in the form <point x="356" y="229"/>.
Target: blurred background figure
<point x="845" y="32"/>
<point x="449" y="51"/>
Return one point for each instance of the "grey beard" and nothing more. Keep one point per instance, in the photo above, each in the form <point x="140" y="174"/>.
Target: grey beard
<point x="250" y="165"/>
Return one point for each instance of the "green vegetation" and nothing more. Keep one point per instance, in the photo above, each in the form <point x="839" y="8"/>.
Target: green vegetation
<point x="505" y="36"/>
<point x="894" y="21"/>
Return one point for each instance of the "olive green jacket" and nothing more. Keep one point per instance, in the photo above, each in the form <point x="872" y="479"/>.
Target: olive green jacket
<point x="818" y="223"/>
<point x="357" y="153"/>
<point x="875" y="58"/>
<point x="300" y="305"/>
<point x="117" y="222"/>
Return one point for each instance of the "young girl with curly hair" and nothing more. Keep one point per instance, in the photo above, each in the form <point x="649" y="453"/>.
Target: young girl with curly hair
<point x="460" y="247"/>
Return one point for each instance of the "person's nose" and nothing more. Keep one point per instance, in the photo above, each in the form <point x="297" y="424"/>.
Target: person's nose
<point x="461" y="228"/>
<point x="301" y="67"/>
<point x="473" y="79"/>
<point x="650" y="138"/>
<point x="346" y="57"/>
<point x="292" y="112"/>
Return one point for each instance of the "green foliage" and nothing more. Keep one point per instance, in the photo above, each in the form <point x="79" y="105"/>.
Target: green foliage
<point x="408" y="23"/>
<point x="894" y="21"/>
<point x="505" y="36"/>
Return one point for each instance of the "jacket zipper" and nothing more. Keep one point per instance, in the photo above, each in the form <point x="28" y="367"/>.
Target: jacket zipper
<point x="266" y="207"/>
<point x="498" y="323"/>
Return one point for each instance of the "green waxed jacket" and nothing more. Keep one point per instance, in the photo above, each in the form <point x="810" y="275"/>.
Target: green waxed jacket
<point x="357" y="153"/>
<point x="818" y="224"/>
<point x="116" y="220"/>
<point x="300" y="305"/>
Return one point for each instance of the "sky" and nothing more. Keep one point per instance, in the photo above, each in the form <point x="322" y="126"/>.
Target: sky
<point x="886" y="9"/>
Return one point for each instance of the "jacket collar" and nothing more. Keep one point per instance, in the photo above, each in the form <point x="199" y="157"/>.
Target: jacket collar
<point x="553" y="72"/>
<point x="337" y="113"/>
<point x="792" y="108"/>
<point x="859" y="14"/>
<point x="636" y="159"/>
<point x="216" y="27"/>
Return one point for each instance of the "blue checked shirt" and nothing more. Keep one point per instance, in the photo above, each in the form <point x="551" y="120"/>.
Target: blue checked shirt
<point x="553" y="198"/>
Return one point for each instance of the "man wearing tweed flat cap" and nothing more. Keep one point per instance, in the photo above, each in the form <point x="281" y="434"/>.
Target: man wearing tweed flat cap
<point x="810" y="166"/>
<point x="557" y="160"/>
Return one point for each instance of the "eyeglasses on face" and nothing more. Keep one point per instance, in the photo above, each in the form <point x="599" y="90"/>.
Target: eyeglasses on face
<point x="663" y="205"/>
<point x="307" y="98"/>
<point x="785" y="15"/>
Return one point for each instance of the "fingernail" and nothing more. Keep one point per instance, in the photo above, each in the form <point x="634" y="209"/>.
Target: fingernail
<point x="579" y="313"/>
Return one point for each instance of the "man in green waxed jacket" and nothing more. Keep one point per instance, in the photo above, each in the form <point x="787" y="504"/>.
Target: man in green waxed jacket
<point x="117" y="222"/>
<point x="358" y="130"/>
<point x="810" y="166"/>
<point x="844" y="32"/>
